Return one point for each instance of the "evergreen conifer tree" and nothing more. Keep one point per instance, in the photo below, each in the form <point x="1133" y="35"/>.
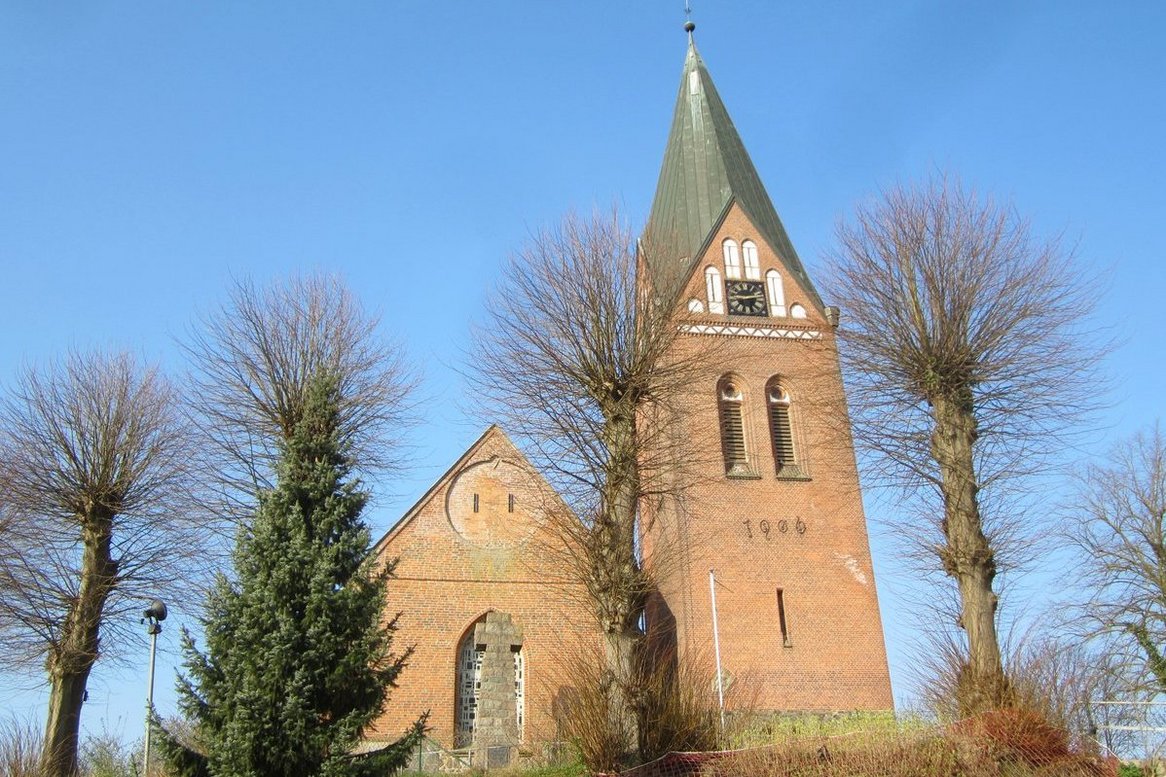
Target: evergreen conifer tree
<point x="298" y="660"/>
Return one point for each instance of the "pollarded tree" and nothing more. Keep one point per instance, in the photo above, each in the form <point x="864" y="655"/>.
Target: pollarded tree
<point x="967" y="365"/>
<point x="253" y="361"/>
<point x="580" y="364"/>
<point x="298" y="657"/>
<point x="94" y="501"/>
<point x="1120" y="529"/>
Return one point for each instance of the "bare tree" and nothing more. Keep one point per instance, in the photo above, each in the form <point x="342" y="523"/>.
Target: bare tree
<point x="94" y="493"/>
<point x="1119" y="527"/>
<point x="254" y="359"/>
<point x="967" y="368"/>
<point x="578" y="362"/>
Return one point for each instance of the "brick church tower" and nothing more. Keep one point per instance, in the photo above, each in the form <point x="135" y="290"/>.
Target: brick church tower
<point x="775" y="512"/>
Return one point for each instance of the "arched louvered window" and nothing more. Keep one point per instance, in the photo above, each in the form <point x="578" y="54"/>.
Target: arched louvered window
<point x="776" y="294"/>
<point x="715" y="290"/>
<point x="781" y="432"/>
<point x="730" y="403"/>
<point x="752" y="264"/>
<point x="732" y="260"/>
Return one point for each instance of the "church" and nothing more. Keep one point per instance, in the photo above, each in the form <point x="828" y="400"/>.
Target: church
<point x="770" y="568"/>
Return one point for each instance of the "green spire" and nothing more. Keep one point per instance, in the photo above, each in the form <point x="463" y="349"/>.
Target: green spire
<point x="705" y="170"/>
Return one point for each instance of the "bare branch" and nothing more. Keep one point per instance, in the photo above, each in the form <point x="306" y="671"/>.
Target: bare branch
<point x="969" y="369"/>
<point x="579" y="363"/>
<point x="95" y="494"/>
<point x="254" y="359"/>
<point x="1118" y="524"/>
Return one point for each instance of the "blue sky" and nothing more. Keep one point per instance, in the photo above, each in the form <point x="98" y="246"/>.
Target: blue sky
<point x="149" y="153"/>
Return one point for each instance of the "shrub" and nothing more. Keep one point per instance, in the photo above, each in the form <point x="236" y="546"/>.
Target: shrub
<point x="1018" y="734"/>
<point x="107" y="756"/>
<point x="679" y="708"/>
<point x="20" y="745"/>
<point x="876" y="755"/>
<point x="585" y="712"/>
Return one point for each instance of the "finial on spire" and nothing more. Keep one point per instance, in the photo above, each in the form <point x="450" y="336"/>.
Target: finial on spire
<point x="689" y="25"/>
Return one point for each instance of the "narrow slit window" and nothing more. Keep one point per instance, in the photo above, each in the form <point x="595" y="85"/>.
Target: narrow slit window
<point x="716" y="293"/>
<point x="785" y="641"/>
<point x="752" y="264"/>
<point x="732" y="260"/>
<point x="510" y="504"/>
<point x="776" y="294"/>
<point x="733" y="430"/>
<point x="476" y="503"/>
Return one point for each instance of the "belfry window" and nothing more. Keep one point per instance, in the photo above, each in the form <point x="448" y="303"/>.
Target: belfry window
<point x="752" y="265"/>
<point x="730" y="406"/>
<point x="775" y="292"/>
<point x="732" y="260"/>
<point x="781" y="430"/>
<point x="716" y="291"/>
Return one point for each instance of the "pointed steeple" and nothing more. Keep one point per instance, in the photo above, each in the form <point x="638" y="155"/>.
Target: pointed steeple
<point x="706" y="169"/>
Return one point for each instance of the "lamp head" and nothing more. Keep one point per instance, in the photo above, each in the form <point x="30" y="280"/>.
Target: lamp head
<point x="156" y="611"/>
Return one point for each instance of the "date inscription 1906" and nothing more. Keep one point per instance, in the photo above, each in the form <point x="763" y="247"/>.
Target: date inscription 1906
<point x="766" y="529"/>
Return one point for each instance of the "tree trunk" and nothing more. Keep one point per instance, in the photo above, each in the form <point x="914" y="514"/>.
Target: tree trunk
<point x="967" y="555"/>
<point x="618" y="652"/>
<point x="621" y="594"/>
<point x="72" y="659"/>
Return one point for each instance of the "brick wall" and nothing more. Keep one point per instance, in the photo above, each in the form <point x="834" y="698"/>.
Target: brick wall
<point x="806" y="537"/>
<point x="455" y="565"/>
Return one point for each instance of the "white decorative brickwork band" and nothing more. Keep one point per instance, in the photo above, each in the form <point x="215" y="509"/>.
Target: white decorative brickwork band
<point x="750" y="331"/>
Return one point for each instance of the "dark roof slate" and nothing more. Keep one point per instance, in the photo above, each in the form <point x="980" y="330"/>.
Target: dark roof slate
<point x="706" y="168"/>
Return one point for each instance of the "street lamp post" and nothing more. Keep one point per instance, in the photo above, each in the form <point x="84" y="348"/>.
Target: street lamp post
<point x="153" y="617"/>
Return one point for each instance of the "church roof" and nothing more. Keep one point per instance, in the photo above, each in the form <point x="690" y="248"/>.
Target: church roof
<point x="706" y="169"/>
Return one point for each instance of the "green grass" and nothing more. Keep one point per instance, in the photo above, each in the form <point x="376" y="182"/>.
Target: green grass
<point x="562" y="770"/>
<point x="573" y="769"/>
<point x="761" y="730"/>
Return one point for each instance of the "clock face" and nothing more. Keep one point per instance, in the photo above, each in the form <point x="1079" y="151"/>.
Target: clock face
<point x="746" y="298"/>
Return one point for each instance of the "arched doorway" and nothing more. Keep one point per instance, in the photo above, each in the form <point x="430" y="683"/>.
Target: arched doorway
<point x="490" y="665"/>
